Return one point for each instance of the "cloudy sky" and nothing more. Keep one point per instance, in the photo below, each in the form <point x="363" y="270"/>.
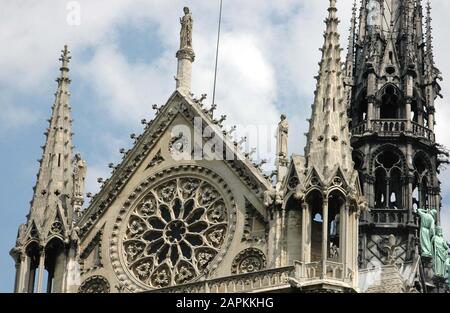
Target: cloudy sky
<point x="124" y="62"/>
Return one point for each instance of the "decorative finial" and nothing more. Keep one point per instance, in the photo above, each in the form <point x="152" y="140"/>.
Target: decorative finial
<point x="65" y="58"/>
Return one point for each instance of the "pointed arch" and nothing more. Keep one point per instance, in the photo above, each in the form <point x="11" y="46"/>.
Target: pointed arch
<point x="55" y="263"/>
<point x="390" y="101"/>
<point x="388" y="166"/>
<point x="314" y="200"/>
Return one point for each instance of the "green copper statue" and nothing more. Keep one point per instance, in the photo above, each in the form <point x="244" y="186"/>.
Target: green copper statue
<point x="427" y="228"/>
<point x="440" y="253"/>
<point x="448" y="271"/>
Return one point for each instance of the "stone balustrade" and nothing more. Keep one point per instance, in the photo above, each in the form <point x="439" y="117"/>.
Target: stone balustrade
<point x="268" y="279"/>
<point x="389" y="216"/>
<point x="314" y="271"/>
<point x="391" y="127"/>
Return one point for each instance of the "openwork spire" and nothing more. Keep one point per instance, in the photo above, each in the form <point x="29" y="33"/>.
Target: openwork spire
<point x="328" y="145"/>
<point x="429" y="36"/>
<point x="54" y="180"/>
<point x="351" y="43"/>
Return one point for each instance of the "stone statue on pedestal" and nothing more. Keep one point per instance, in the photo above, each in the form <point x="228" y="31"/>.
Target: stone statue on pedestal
<point x="282" y="137"/>
<point x="440" y="253"/>
<point x="427" y="229"/>
<point x="79" y="176"/>
<point x="186" y="29"/>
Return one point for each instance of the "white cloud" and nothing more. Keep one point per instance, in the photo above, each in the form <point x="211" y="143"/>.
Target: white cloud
<point x="269" y="52"/>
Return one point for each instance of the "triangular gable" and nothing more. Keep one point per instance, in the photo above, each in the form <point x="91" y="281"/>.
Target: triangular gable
<point x="295" y="176"/>
<point x="176" y="105"/>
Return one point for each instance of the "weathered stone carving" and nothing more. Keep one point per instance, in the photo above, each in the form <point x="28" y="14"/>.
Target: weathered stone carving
<point x="248" y="261"/>
<point x="176" y="231"/>
<point x="282" y="137"/>
<point x="79" y="175"/>
<point x="186" y="29"/>
<point x="95" y="284"/>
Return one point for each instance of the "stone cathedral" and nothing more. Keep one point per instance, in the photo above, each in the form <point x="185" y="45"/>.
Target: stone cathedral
<point x="358" y="212"/>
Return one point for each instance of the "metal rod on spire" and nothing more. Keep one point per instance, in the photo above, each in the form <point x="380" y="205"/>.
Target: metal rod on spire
<point x="217" y="53"/>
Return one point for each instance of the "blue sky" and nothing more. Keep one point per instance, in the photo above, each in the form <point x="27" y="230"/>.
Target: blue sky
<point x="124" y="62"/>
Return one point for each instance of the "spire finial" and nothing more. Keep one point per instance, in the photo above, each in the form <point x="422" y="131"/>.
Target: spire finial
<point x="65" y="58"/>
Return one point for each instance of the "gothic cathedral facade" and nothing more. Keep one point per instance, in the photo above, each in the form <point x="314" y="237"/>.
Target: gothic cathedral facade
<point x="356" y="213"/>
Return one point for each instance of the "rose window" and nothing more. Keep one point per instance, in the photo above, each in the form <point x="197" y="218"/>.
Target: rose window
<point x="175" y="232"/>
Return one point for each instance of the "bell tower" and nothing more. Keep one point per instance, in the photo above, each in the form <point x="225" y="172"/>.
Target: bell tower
<point x="393" y="85"/>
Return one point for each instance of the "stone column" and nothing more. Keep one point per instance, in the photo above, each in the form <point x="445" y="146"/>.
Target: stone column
<point x="408" y="115"/>
<point x="343" y="234"/>
<point x="407" y="196"/>
<point x="18" y="277"/>
<point x="431" y="111"/>
<point x="184" y="72"/>
<point x="325" y="237"/>
<point x="370" y="111"/>
<point x="41" y="269"/>
<point x="420" y="117"/>
<point x="303" y="243"/>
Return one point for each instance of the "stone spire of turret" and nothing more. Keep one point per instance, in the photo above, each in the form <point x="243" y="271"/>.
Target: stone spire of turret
<point x="350" y="60"/>
<point x="429" y="36"/>
<point x="328" y="139"/>
<point x="186" y="54"/>
<point x="351" y="44"/>
<point x="53" y="188"/>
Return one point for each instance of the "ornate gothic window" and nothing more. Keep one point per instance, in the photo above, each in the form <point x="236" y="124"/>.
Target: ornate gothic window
<point x="176" y="231"/>
<point x="388" y="184"/>
<point x="390" y="104"/>
<point x="315" y="201"/>
<point x="421" y="181"/>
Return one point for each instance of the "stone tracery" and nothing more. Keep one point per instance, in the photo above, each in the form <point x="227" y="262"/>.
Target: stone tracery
<point x="175" y="232"/>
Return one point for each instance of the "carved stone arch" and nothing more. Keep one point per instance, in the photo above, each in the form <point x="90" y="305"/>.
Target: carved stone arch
<point x="385" y="89"/>
<point x="95" y="284"/>
<point x="314" y="200"/>
<point x="390" y="99"/>
<point x="390" y="168"/>
<point x="248" y="261"/>
<point x="154" y="216"/>
<point x="335" y="190"/>
<point x="428" y="166"/>
<point x="383" y="148"/>
<point x="290" y="196"/>
<point x="55" y="263"/>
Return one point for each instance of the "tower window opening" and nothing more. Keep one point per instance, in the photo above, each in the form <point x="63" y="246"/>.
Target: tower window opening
<point x="388" y="181"/>
<point x="390" y="104"/>
<point x="335" y="204"/>
<point x="315" y="202"/>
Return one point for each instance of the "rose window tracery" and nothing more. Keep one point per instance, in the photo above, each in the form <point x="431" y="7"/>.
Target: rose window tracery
<point x="175" y="232"/>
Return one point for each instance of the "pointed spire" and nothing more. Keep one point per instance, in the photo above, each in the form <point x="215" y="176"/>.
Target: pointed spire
<point x="429" y="36"/>
<point x="362" y="21"/>
<point x="351" y="43"/>
<point x="328" y="140"/>
<point x="186" y="54"/>
<point x="54" y="180"/>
